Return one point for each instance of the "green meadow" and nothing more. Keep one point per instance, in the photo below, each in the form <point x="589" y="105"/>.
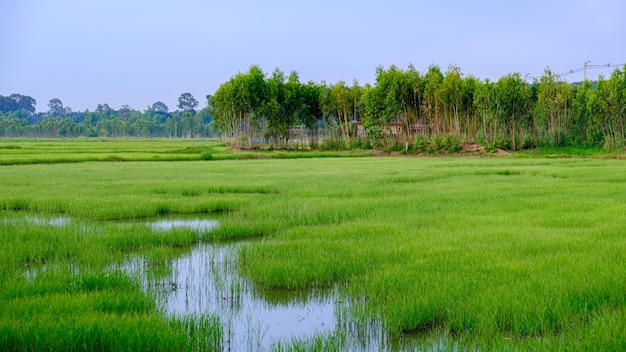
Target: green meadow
<point x="496" y="253"/>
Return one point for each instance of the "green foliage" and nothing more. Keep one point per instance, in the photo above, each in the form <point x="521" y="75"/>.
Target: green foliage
<point x="63" y="295"/>
<point x="206" y="156"/>
<point x="331" y="144"/>
<point x="253" y="110"/>
<point x="421" y="143"/>
<point x="186" y="102"/>
<point x="535" y="262"/>
<point x="445" y="143"/>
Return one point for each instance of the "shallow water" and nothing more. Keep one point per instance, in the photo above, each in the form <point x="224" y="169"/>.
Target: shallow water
<point x="198" y="225"/>
<point x="58" y="221"/>
<point x="206" y="280"/>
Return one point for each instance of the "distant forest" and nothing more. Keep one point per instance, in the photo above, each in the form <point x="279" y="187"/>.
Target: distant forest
<point x="18" y="119"/>
<point x="404" y="110"/>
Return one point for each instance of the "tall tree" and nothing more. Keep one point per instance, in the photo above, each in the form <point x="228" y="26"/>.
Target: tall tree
<point x="160" y="107"/>
<point x="186" y="102"/>
<point x="552" y="109"/>
<point x="55" y="107"/>
<point x="469" y="87"/>
<point x="450" y="94"/>
<point x="513" y="102"/>
<point x="431" y="105"/>
<point x="617" y="102"/>
<point x="311" y="112"/>
<point x="124" y="112"/>
<point x="582" y="129"/>
<point x="274" y="108"/>
<point x="18" y="102"/>
<point x="341" y="101"/>
<point x="599" y="109"/>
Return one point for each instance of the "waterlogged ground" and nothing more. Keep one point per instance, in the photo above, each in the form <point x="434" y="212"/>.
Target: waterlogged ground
<point x="207" y="281"/>
<point x="502" y="253"/>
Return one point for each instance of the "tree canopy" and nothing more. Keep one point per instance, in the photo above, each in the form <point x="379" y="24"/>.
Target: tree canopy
<point x="186" y="102"/>
<point x="403" y="109"/>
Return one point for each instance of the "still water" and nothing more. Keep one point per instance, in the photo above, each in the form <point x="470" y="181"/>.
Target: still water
<point x="207" y="280"/>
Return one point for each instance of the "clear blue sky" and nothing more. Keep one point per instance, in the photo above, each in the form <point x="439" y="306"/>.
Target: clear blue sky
<point x="137" y="52"/>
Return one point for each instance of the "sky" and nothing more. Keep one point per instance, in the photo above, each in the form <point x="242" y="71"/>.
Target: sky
<point x="138" y="52"/>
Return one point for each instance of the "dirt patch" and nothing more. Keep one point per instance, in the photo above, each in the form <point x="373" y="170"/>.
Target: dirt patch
<point x="473" y="148"/>
<point x="470" y="149"/>
<point x="479" y="150"/>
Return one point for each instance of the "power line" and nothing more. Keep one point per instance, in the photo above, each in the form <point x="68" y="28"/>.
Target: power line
<point x="586" y="65"/>
<point x="589" y="65"/>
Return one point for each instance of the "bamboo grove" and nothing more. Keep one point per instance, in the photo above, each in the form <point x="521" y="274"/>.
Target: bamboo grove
<point x="408" y="109"/>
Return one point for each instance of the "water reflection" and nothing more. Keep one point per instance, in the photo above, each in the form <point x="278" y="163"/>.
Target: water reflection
<point x="59" y="221"/>
<point x="198" y="225"/>
<point x="207" y="281"/>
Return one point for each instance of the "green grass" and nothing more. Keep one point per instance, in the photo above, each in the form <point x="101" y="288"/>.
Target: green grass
<point x="496" y="253"/>
<point x="58" y="292"/>
<point x="78" y="150"/>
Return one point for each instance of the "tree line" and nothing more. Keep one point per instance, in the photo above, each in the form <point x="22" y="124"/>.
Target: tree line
<point x="18" y="119"/>
<point x="407" y="109"/>
<point x="403" y="110"/>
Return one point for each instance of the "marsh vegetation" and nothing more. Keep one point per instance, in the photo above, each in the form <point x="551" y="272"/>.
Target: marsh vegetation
<point x="434" y="253"/>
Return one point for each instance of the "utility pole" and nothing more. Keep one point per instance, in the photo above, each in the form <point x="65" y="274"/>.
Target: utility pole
<point x="585" y="70"/>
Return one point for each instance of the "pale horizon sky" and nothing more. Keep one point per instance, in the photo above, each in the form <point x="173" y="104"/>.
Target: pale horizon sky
<point x="138" y="52"/>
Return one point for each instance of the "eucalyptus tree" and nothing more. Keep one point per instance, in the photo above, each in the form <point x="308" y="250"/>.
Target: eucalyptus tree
<point x="607" y="106"/>
<point x="251" y="93"/>
<point x="198" y="127"/>
<point x="513" y="98"/>
<point x="598" y="105"/>
<point x="69" y="128"/>
<point x="187" y="124"/>
<point x="487" y="110"/>
<point x="432" y="105"/>
<point x="583" y="131"/>
<point x="238" y="103"/>
<point x="617" y="101"/>
<point x="11" y="126"/>
<point x="450" y="95"/>
<point x="288" y="102"/>
<point x="416" y="84"/>
<point x="552" y="109"/>
<point x="397" y="95"/>
<point x="373" y="118"/>
<point x="276" y="108"/>
<point x="469" y="88"/>
<point x="220" y="107"/>
<point x="293" y="104"/>
<point x="172" y="125"/>
<point x="388" y="107"/>
<point x="341" y="104"/>
<point x="237" y="106"/>
<point x="311" y="110"/>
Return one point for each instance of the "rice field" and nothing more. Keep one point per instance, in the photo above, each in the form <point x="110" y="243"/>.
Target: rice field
<point x="499" y="253"/>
